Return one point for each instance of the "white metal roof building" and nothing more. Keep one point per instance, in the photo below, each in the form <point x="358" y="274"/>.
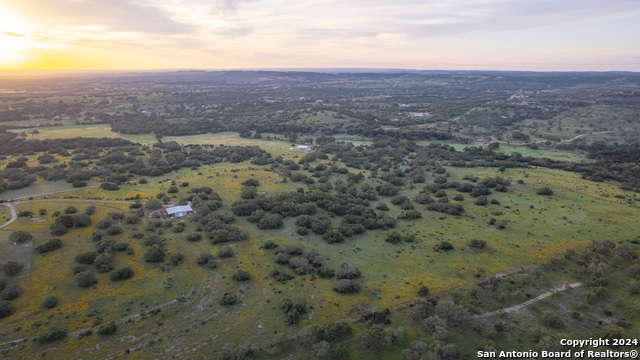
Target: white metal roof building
<point x="179" y="211"/>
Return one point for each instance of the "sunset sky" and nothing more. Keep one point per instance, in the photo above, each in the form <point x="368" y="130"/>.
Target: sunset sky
<point x="239" y="34"/>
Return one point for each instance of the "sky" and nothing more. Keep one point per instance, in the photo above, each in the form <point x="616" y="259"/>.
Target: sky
<point x="538" y="35"/>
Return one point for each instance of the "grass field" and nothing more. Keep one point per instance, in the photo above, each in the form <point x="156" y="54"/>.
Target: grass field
<point x="276" y="148"/>
<point x="97" y="131"/>
<point x="537" y="227"/>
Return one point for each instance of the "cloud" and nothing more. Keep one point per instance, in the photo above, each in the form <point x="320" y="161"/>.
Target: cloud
<point x="13" y="34"/>
<point x="113" y="15"/>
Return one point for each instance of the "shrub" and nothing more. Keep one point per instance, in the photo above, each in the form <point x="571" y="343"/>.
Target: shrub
<point x="348" y="271"/>
<point x="251" y="182"/>
<point x="325" y="272"/>
<point x="154" y="255"/>
<point x="25" y="213"/>
<point x="194" y="237"/>
<point x="70" y="210"/>
<point x="115" y="215"/>
<point x="20" y="236"/>
<point x="382" y="207"/>
<point x="173" y="190"/>
<point x="153" y="204"/>
<point x="207" y="260"/>
<point x="55" y="333"/>
<point x="333" y="236"/>
<point x="81" y="221"/>
<point x="241" y="275"/>
<point x="226" y="253"/>
<point x="105" y="223"/>
<point x="393" y="237"/>
<point x="85" y="279"/>
<point x="346" y="286"/>
<point x="86" y="258"/>
<point x="108" y="329"/>
<point x="228" y="299"/>
<point x="282" y="275"/>
<point x="552" y="320"/>
<point x="5" y="309"/>
<point x="478" y="244"/>
<point x="444" y="246"/>
<point x="50" y="302"/>
<point x="481" y="200"/>
<point x="248" y="193"/>
<point x="114" y="230"/>
<point x="131" y="219"/>
<point x="410" y="215"/>
<point x="268" y="245"/>
<point x="79" y="184"/>
<point x="110" y="186"/>
<point x="90" y="210"/>
<point x="545" y="191"/>
<point x="152" y="240"/>
<point x="12" y="268"/>
<point x="104" y="263"/>
<point x="11" y="292"/>
<point x="50" y="245"/>
<point x="176" y="259"/>
<point x="271" y="221"/>
<point x="331" y="331"/>
<point x="76" y="269"/>
<point x="423" y="291"/>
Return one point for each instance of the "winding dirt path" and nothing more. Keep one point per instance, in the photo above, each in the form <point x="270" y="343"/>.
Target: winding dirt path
<point x="14" y="216"/>
<point x="529" y="302"/>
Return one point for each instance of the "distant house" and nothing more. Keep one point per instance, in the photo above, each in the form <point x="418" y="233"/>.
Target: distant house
<point x="304" y="147"/>
<point x="180" y="211"/>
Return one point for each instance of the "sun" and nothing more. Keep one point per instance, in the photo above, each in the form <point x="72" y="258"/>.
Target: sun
<point x="15" y="40"/>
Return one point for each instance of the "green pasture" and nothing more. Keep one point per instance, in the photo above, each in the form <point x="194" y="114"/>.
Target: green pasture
<point x="71" y="131"/>
<point x="537" y="228"/>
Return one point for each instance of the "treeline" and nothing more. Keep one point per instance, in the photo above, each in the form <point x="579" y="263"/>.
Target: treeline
<point x="22" y="146"/>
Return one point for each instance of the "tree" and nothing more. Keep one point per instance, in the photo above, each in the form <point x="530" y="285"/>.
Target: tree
<point x="85" y="279"/>
<point x="393" y="237"/>
<point x="251" y="182"/>
<point x="50" y="245"/>
<point x="20" y="236"/>
<point x="86" y="258"/>
<point x="70" y="210"/>
<point x="271" y="221"/>
<point x="374" y="339"/>
<point x="5" y="309"/>
<point x="153" y="204"/>
<point x="154" y="255"/>
<point x="12" y="268"/>
<point x="11" y="292"/>
<point x="453" y="313"/>
<point x="346" y="286"/>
